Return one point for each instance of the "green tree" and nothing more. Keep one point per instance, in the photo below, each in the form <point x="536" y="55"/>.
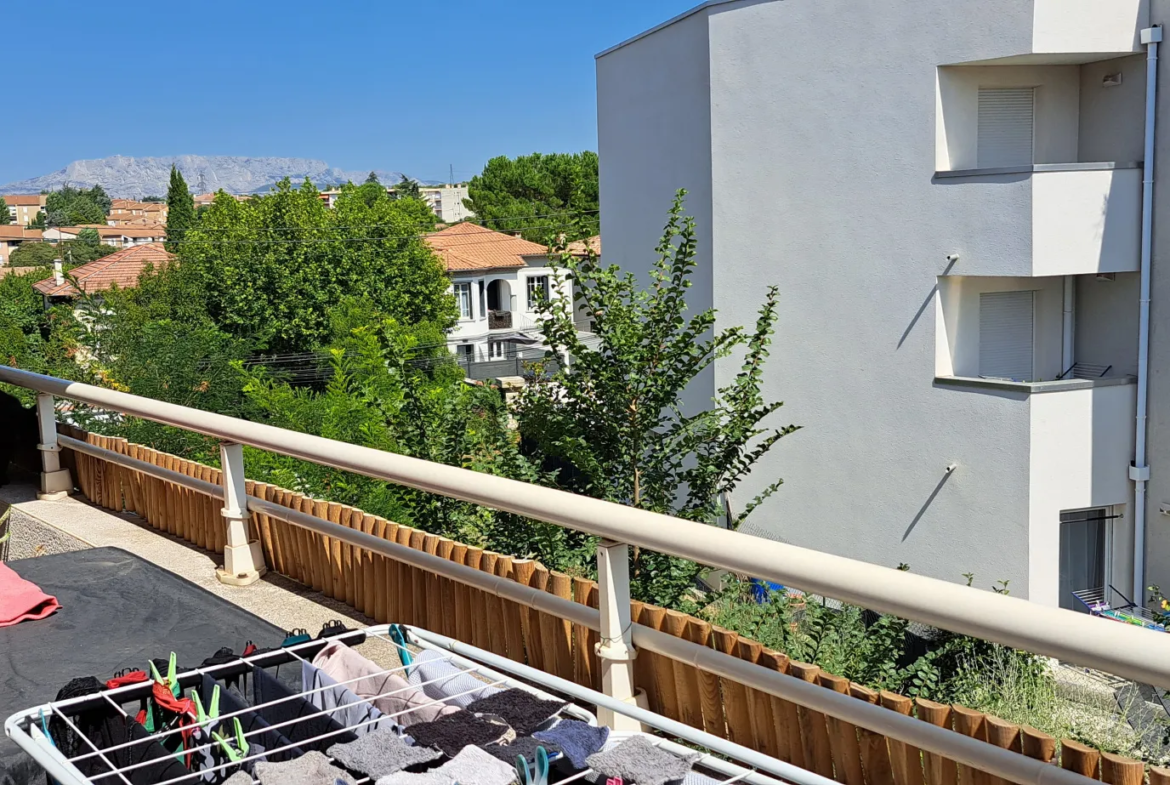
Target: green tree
<point x="372" y="177"/>
<point x="89" y="237"/>
<point x="180" y="210"/>
<point x="31" y="337"/>
<point x="271" y="269"/>
<point x="5" y="218"/>
<point x="39" y="221"/>
<point x="33" y="255"/>
<point x="532" y="193"/>
<point x="154" y="199"/>
<point x="615" y="419"/>
<point x="407" y="189"/>
<point x="72" y="206"/>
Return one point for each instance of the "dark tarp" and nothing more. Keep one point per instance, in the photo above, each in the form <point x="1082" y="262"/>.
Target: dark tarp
<point x="117" y="611"/>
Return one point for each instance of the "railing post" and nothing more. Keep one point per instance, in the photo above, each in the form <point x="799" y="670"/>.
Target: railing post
<point x="56" y="483"/>
<point x="243" y="561"/>
<point x="616" y="648"/>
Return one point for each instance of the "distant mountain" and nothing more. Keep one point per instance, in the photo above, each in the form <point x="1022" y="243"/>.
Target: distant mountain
<point x="127" y="177"/>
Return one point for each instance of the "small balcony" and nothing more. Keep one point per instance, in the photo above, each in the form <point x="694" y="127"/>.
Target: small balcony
<point x="499" y="320"/>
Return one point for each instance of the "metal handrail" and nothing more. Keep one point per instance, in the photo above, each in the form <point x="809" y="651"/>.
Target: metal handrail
<point x="966" y="750"/>
<point x="1130" y="652"/>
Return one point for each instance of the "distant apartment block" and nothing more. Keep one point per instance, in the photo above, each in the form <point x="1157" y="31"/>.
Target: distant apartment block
<point x="445" y="200"/>
<point x="23" y="208"/>
<point x="130" y="211"/>
<point x="115" y="236"/>
<point x="12" y="236"/>
<point x="949" y="197"/>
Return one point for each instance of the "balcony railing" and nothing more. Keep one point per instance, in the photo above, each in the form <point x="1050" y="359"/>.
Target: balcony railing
<point x="336" y="545"/>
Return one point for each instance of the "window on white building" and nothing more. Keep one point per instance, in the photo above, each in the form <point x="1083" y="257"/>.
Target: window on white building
<point x="463" y="297"/>
<point x="1085" y="538"/>
<point x="1005" y="335"/>
<point x="1005" y="126"/>
<point x="497" y="350"/>
<point x="537" y="290"/>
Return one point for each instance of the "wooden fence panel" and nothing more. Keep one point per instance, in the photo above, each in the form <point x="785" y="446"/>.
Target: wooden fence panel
<point x="710" y="696"/>
<point x="447" y="589"/>
<point x="495" y="608"/>
<point x="662" y="668"/>
<point x="463" y="623"/>
<point x="970" y="723"/>
<point x="644" y="663"/>
<point x="480" y="636"/>
<point x="938" y="770"/>
<point x="583" y="654"/>
<point x="875" y="751"/>
<point x="433" y="598"/>
<point x="686" y="676"/>
<point x="759" y="703"/>
<point x="1002" y="734"/>
<point x="1079" y="758"/>
<point x="735" y="695"/>
<point x="1117" y="770"/>
<point x="814" y="732"/>
<point x="843" y="738"/>
<point x="1037" y="744"/>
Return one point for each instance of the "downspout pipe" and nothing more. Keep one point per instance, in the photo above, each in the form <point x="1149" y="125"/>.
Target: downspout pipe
<point x="1068" y="328"/>
<point x="1139" y="472"/>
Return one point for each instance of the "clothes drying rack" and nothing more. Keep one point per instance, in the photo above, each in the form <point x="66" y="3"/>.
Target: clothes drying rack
<point x="721" y="762"/>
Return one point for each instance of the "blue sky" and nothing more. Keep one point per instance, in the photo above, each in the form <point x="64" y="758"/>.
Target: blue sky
<point x="410" y="86"/>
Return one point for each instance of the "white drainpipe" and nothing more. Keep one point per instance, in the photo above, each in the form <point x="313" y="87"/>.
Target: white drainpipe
<point x="1068" y="342"/>
<point x="1139" y="472"/>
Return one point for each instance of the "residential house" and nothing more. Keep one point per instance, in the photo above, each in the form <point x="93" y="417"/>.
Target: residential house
<point x="11" y="237"/>
<point x="23" y="208"/>
<point x="130" y="212"/>
<point x="115" y="236"/>
<point x="497" y="280"/>
<point x="949" y="198"/>
<point x="122" y="268"/>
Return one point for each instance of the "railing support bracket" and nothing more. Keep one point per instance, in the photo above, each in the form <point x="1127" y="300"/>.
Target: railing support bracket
<point x="243" y="560"/>
<point x="56" y="483"/>
<point x="616" y="649"/>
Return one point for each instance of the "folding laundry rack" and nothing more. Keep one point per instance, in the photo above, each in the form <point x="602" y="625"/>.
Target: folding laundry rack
<point x="734" y="763"/>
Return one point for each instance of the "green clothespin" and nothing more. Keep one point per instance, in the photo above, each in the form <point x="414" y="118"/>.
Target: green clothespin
<point x="540" y="765"/>
<point x="240" y="750"/>
<point x="172" y="676"/>
<point x="203" y="717"/>
<point x="399" y="639"/>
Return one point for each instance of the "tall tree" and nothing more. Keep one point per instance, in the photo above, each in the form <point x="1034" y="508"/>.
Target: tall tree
<point x="5" y="218"/>
<point x="407" y="189"/>
<point x="614" y="421"/>
<point x="537" y="195"/>
<point x="72" y="206"/>
<point x="39" y="221"/>
<point x="372" y="177"/>
<point x="180" y="210"/>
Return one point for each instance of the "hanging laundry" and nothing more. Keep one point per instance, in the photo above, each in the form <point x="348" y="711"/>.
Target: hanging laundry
<point x="307" y="727"/>
<point x="453" y="732"/>
<point x="523" y="745"/>
<point x="390" y="693"/>
<point x="346" y="708"/>
<point x="639" y="761"/>
<point x="441" y="679"/>
<point x="312" y="768"/>
<point x="521" y="709"/>
<point x="472" y="766"/>
<point x="275" y="745"/>
<point x="578" y="740"/>
<point x="380" y="753"/>
<point x="21" y="600"/>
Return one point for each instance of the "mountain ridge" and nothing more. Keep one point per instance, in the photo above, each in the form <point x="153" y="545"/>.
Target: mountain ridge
<point x="124" y="176"/>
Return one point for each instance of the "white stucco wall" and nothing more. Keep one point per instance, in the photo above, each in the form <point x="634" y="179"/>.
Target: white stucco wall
<point x="1107" y="130"/>
<point x="1107" y="322"/>
<point x="1088" y="25"/>
<point x="1081" y="445"/>
<point x="1086" y="222"/>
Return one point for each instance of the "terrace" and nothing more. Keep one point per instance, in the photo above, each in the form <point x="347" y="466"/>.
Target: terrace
<point x="296" y="562"/>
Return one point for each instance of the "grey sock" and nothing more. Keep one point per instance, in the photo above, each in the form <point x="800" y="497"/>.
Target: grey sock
<point x="312" y="768"/>
<point x="637" y="760"/>
<point x="380" y="753"/>
<point x="472" y="766"/>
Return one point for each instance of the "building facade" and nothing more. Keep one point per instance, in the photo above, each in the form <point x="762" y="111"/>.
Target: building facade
<point x="497" y="280"/>
<point x="23" y="208"/>
<point x="12" y="236"/>
<point x="949" y="198"/>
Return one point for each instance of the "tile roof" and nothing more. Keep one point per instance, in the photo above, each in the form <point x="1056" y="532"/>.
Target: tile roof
<point x="578" y="248"/>
<point x="122" y="268"/>
<point x="16" y="232"/>
<point x="13" y="200"/>
<point x="468" y="246"/>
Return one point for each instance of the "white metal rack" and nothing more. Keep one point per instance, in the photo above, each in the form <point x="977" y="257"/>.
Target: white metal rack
<point x="27" y="728"/>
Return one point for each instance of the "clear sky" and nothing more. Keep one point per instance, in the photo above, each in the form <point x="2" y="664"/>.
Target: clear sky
<point x="362" y="84"/>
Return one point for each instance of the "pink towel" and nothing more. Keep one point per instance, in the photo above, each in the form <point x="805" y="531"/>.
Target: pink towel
<point x="343" y="663"/>
<point x="21" y="600"/>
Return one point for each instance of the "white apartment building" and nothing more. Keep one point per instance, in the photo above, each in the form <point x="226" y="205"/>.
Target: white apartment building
<point x="949" y="197"/>
<point x="446" y="201"/>
<point x="497" y="280"/>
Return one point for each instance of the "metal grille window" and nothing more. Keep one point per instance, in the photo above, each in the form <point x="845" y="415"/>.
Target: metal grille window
<point x="1005" y="335"/>
<point x="537" y="290"/>
<point x="1005" y="126"/>
<point x="463" y="297"/>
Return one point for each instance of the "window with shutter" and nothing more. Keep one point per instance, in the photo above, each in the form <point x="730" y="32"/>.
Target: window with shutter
<point x="1005" y="335"/>
<point x="1005" y="126"/>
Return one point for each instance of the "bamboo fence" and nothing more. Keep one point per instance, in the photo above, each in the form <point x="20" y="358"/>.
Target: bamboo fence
<point x="387" y="590"/>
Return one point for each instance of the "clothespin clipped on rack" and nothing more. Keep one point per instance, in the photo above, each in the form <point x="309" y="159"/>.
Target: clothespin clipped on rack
<point x="399" y="639"/>
<point x="171" y="682"/>
<point x="240" y="750"/>
<point x="540" y="765"/>
<point x="201" y="716"/>
<point x="295" y="636"/>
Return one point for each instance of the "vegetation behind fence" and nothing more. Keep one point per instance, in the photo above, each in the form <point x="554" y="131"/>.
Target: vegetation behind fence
<point x="388" y="590"/>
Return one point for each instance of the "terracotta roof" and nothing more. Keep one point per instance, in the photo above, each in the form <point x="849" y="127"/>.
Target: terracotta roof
<point x="15" y="232"/>
<point x="578" y="248"/>
<point x="122" y="268"/>
<point x="13" y="200"/>
<point x="146" y="230"/>
<point x="468" y="246"/>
